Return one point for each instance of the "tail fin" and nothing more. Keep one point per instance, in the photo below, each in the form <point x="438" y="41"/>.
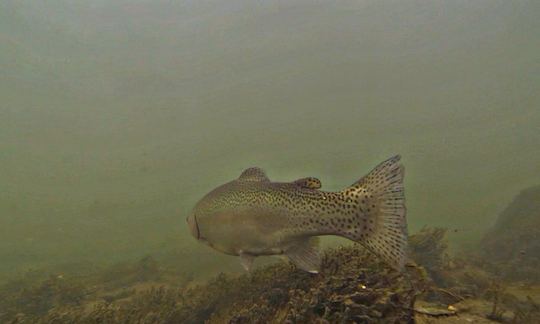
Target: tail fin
<point x="380" y="222"/>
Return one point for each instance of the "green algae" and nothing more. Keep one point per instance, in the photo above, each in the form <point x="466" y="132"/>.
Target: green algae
<point x="353" y="287"/>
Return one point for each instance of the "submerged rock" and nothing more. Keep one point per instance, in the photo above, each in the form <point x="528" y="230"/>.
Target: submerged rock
<point x="512" y="246"/>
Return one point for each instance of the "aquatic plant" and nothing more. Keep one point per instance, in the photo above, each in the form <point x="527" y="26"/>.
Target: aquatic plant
<point x="40" y="298"/>
<point x="352" y="286"/>
<point x="527" y="312"/>
<point x="497" y="311"/>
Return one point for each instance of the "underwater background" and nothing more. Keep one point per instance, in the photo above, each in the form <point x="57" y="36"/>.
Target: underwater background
<point x="117" y="116"/>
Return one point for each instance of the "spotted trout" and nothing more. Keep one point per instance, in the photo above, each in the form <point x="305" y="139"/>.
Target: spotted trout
<point x="253" y="216"/>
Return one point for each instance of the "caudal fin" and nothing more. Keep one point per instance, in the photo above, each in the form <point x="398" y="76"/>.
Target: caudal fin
<point x="380" y="222"/>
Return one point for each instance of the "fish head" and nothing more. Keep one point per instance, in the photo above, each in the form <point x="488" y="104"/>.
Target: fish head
<point x="214" y="220"/>
<point x="205" y="227"/>
<point x="205" y="221"/>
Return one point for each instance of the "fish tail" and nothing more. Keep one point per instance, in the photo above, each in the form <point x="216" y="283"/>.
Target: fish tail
<point x="379" y="213"/>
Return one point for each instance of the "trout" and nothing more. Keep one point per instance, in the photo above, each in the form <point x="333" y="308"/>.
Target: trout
<point x="252" y="216"/>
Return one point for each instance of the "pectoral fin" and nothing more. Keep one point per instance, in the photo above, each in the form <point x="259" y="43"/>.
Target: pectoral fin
<point x="305" y="255"/>
<point x="246" y="260"/>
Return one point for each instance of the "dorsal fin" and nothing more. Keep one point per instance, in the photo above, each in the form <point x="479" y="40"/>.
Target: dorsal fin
<point x="309" y="182"/>
<point x="253" y="174"/>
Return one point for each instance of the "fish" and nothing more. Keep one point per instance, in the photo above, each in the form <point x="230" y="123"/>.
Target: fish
<point x="253" y="216"/>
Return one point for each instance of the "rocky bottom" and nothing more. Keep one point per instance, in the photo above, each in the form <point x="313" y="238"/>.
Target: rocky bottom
<point x="353" y="287"/>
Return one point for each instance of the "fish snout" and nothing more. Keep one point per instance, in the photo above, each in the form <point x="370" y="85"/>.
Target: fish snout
<point x="193" y="227"/>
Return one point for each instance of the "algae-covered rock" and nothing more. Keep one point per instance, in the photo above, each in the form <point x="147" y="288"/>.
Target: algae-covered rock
<point x="353" y="286"/>
<point x="512" y="246"/>
<point x="428" y="248"/>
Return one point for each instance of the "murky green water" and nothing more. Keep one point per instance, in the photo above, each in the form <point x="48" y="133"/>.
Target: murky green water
<point x="117" y="116"/>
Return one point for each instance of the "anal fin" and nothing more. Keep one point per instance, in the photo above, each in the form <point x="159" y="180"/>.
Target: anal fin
<point x="305" y="255"/>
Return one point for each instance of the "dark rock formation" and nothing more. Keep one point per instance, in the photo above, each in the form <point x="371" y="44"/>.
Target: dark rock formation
<point x="513" y="244"/>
